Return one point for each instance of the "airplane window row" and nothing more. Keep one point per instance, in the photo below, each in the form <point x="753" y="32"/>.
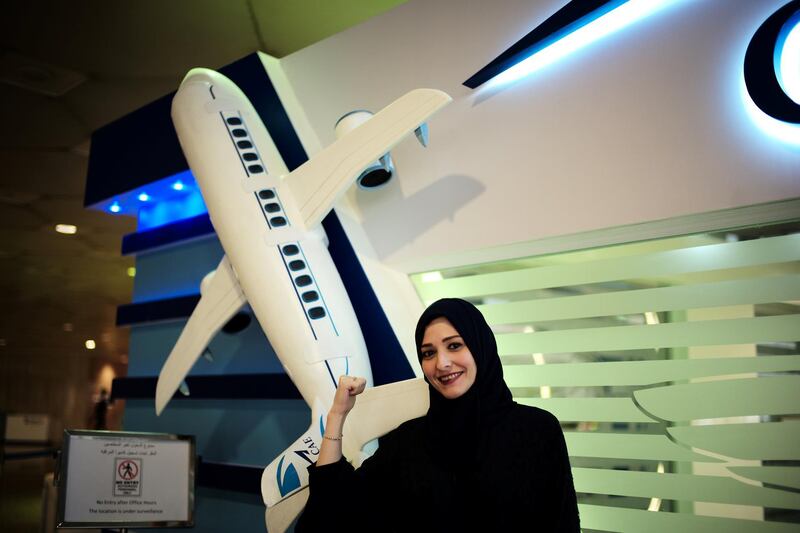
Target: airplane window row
<point x="272" y="208"/>
<point x="240" y="135"/>
<point x="305" y="282"/>
<point x="251" y="160"/>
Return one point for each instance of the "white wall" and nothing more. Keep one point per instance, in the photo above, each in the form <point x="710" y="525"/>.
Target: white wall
<point x="645" y="124"/>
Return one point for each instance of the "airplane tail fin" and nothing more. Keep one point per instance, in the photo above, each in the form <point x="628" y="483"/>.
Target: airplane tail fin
<point x="378" y="410"/>
<point x="288" y="471"/>
<point x="281" y="515"/>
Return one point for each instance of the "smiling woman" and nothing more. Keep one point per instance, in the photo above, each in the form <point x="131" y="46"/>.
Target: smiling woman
<point x="477" y="461"/>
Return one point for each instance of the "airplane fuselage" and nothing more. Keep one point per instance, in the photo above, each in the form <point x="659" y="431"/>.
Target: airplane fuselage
<point x="283" y="268"/>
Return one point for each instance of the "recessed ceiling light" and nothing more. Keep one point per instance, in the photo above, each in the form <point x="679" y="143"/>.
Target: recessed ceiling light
<point x="143" y="197"/>
<point x="37" y="76"/>
<point x="67" y="229"/>
<point x="90" y="344"/>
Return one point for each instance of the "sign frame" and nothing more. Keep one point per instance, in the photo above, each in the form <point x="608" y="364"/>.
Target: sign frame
<point x="63" y="476"/>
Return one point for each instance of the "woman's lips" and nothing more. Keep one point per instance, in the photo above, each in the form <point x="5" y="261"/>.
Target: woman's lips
<point x="449" y="379"/>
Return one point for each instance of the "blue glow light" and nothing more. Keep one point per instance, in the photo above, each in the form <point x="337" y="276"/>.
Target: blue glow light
<point x="606" y="23"/>
<point x="787" y="58"/>
<point x="178" y="207"/>
<point x="777" y="129"/>
<point x="172" y="204"/>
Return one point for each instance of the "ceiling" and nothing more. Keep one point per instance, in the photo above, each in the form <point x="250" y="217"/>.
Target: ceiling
<point x="68" y="68"/>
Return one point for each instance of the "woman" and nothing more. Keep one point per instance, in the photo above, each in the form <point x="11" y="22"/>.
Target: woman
<point x="476" y="461"/>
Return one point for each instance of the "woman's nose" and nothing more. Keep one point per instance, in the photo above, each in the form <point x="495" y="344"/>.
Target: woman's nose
<point x="442" y="360"/>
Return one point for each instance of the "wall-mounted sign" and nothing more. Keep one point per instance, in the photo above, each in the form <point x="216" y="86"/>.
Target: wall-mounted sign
<point x="30" y="428"/>
<point x="772" y="65"/>
<point x="116" y="479"/>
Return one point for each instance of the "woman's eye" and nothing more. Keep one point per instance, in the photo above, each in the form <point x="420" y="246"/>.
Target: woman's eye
<point x="454" y="345"/>
<point x="427" y="354"/>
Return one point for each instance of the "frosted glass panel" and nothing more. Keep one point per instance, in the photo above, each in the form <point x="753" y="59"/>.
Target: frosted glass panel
<point x="672" y="366"/>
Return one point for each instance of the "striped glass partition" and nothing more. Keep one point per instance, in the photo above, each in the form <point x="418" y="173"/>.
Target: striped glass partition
<point x="673" y="366"/>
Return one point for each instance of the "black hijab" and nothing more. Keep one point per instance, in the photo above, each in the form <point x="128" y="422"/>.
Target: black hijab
<point x="458" y="428"/>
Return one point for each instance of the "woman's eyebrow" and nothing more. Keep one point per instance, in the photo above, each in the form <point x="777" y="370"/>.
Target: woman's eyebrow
<point x="451" y="337"/>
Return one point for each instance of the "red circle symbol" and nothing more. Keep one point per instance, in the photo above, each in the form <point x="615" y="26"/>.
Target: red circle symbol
<point x="128" y="469"/>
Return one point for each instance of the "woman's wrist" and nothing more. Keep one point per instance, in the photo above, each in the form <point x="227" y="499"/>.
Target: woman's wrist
<point x="335" y="423"/>
<point x="331" y="445"/>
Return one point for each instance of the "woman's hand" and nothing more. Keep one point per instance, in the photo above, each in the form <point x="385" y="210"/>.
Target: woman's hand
<point x="345" y="397"/>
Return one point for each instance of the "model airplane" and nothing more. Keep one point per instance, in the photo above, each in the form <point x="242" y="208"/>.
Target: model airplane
<point x="276" y="256"/>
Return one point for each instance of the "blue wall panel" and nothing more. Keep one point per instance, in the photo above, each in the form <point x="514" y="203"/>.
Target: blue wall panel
<point x="251" y="432"/>
<point x="175" y="271"/>
<point x="246" y="352"/>
<point x="220" y="510"/>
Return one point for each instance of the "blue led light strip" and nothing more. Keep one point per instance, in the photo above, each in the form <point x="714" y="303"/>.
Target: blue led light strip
<point x="576" y="25"/>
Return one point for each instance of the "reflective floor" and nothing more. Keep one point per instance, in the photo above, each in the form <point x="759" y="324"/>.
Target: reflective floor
<point x="21" y="484"/>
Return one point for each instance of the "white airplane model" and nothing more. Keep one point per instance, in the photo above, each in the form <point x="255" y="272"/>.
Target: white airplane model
<point x="276" y="256"/>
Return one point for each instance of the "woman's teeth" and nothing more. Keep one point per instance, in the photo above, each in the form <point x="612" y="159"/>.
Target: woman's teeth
<point x="449" y="377"/>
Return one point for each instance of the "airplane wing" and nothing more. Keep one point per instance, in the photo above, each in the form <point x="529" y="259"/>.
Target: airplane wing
<point x="379" y="410"/>
<point x="318" y="183"/>
<point x="220" y="300"/>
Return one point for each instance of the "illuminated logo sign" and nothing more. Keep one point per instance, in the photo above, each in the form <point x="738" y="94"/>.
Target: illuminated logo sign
<point x="770" y="82"/>
<point x="772" y="65"/>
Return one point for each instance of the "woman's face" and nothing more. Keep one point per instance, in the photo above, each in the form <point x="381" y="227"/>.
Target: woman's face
<point x="446" y="361"/>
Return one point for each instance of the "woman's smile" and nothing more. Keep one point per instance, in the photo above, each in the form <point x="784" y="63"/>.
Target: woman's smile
<point x="448" y="379"/>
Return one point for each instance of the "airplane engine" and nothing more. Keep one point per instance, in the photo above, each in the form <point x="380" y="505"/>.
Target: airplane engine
<point x="381" y="171"/>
